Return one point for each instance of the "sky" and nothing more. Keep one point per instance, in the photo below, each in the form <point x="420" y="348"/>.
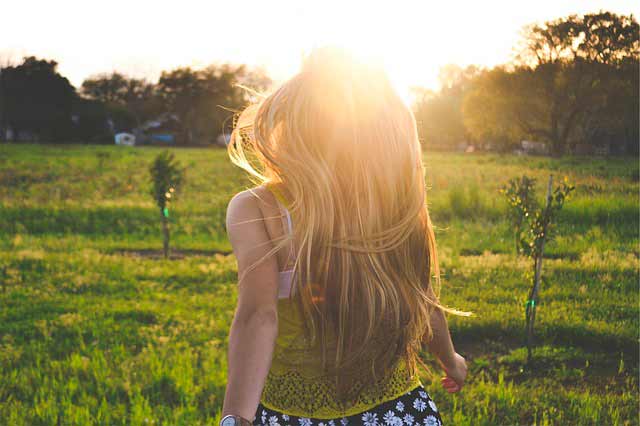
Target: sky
<point x="141" y="38"/>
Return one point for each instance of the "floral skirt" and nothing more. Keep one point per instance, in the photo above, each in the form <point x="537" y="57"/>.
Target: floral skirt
<point x="412" y="408"/>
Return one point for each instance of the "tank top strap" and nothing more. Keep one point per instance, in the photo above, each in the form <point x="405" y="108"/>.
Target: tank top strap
<point x="289" y="225"/>
<point x="283" y="204"/>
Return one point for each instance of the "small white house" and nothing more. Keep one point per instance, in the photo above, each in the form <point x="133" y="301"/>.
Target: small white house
<point x="531" y="147"/>
<point x="125" y="139"/>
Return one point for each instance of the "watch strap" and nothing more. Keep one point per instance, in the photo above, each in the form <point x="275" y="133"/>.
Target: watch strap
<point x="238" y="420"/>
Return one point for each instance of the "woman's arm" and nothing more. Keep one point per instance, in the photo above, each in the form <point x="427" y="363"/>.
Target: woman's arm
<point x="441" y="345"/>
<point x="442" y="348"/>
<point x="255" y="324"/>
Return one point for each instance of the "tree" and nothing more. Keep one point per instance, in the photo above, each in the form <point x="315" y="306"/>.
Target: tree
<point x="603" y="37"/>
<point x="572" y="64"/>
<point x="107" y="88"/>
<point x="439" y="115"/>
<point x="137" y="97"/>
<point x="539" y="230"/>
<point x="167" y="177"/>
<point x="37" y="99"/>
<point x="567" y="84"/>
<point x="90" y="120"/>
<point x="520" y="195"/>
<point x="491" y="106"/>
<point x="182" y="90"/>
<point x="202" y="99"/>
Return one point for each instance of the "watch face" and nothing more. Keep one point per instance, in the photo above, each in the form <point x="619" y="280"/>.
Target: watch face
<point x="228" y="421"/>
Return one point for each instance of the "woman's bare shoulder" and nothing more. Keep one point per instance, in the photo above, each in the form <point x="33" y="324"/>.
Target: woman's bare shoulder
<point x="252" y="203"/>
<point x="258" y="196"/>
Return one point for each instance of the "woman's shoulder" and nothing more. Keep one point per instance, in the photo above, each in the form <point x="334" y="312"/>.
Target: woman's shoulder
<point x="252" y="203"/>
<point x="255" y="197"/>
<point x="247" y="211"/>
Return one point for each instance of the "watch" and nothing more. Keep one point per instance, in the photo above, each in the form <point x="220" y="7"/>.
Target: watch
<point x="233" y="420"/>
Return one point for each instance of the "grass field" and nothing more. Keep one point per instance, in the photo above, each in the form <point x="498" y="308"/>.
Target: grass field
<point x="93" y="333"/>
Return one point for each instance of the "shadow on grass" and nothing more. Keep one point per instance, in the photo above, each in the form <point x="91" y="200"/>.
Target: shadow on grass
<point x="175" y="254"/>
<point x="576" y="336"/>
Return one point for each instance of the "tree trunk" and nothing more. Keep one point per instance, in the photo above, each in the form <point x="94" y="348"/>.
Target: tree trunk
<point x="557" y="149"/>
<point x="165" y="234"/>
<point x="533" y="295"/>
<point x="531" y="306"/>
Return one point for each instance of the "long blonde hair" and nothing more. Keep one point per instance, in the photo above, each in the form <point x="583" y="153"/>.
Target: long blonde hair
<point x="344" y="150"/>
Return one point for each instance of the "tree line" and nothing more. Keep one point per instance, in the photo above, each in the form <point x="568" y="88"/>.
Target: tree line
<point x="38" y="104"/>
<point x="573" y="82"/>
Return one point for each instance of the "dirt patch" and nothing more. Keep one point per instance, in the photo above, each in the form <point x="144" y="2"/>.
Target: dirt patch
<point x="562" y="256"/>
<point x="175" y="254"/>
<point x="476" y="252"/>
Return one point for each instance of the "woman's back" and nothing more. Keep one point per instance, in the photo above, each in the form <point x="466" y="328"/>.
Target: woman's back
<point x="296" y="382"/>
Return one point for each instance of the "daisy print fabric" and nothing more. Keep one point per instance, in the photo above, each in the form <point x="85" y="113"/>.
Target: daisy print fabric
<point x="411" y="409"/>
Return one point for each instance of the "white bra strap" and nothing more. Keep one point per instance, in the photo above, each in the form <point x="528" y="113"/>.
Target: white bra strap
<point x="290" y="227"/>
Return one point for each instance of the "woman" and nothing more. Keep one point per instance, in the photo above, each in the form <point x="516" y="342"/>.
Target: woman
<point x="335" y="250"/>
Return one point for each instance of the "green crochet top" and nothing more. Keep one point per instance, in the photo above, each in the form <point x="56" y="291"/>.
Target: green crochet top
<point x="296" y="385"/>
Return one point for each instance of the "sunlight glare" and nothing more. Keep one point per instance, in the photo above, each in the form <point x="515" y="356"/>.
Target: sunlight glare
<point x="383" y="33"/>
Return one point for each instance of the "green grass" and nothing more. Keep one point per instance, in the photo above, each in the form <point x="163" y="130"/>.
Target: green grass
<point x="91" y="334"/>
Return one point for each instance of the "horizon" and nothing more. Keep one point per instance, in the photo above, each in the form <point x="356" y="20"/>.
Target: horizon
<point x="185" y="43"/>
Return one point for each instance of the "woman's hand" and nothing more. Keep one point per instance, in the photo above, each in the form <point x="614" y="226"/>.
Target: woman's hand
<point x="456" y="374"/>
